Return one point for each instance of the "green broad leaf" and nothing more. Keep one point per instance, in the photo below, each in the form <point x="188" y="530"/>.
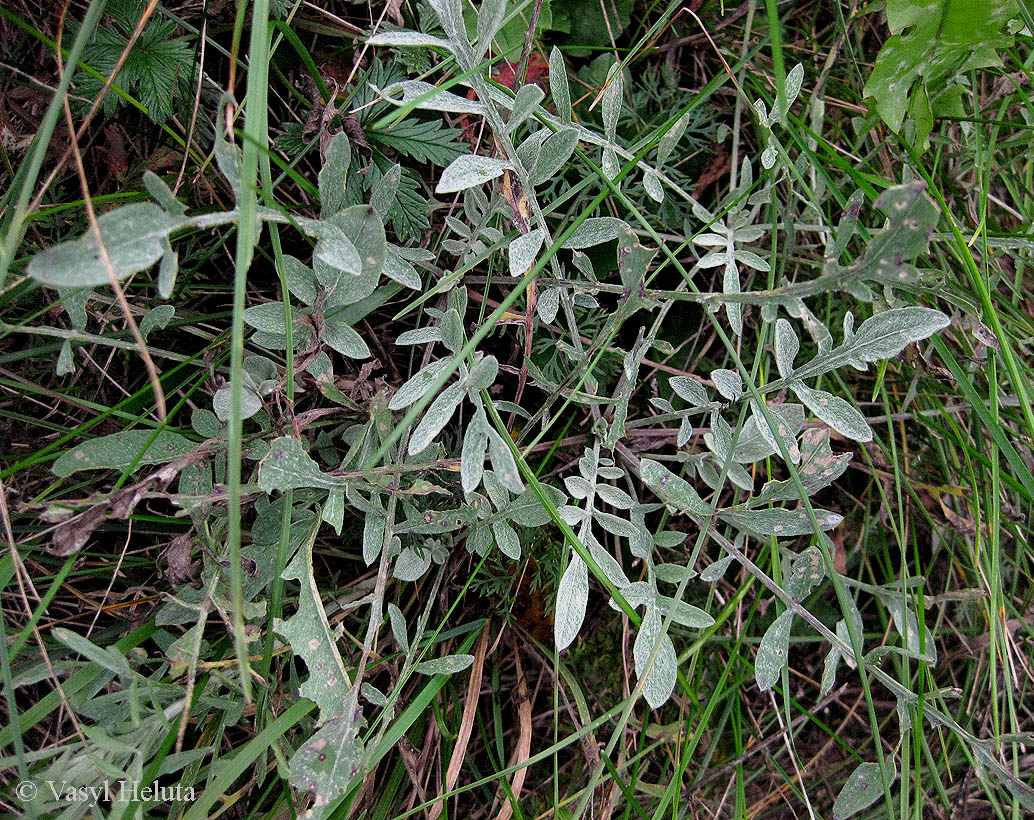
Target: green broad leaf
<point x="572" y="597"/>
<point x="135" y="237"/>
<point x="863" y="788"/>
<point x="448" y="665"/>
<point x="468" y="171"/>
<point x="334" y="175"/>
<point x="163" y="194"/>
<point x="933" y="45"/>
<point x="288" y="467"/>
<point x="773" y="652"/>
<point x="301" y="280"/>
<point x="344" y="339"/>
<point x="558" y="84"/>
<point x="361" y="227"/>
<point x="779" y="522"/>
<point x="328" y="763"/>
<point x="662" y="674"/>
<point x="673" y="490"/>
<point x="399" y="270"/>
<point x="119" y="450"/>
<point x="311" y="638"/>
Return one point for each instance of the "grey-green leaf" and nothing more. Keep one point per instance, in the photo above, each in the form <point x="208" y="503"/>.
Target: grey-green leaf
<point x="134" y="236"/>
<point x="836" y="412"/>
<point x="449" y="665"/>
<point x="436" y="417"/>
<point x="558" y="85"/>
<point x="470" y="170"/>
<point x="334" y="175"/>
<point x="571" y="599"/>
<point x="415" y="388"/>
<point x="863" y="788"/>
<point x="773" y="651"/>
<point x="119" y="450"/>
<point x="673" y="490"/>
<point x="288" y="467"/>
<point x="338" y="335"/>
<point x="780" y="522"/>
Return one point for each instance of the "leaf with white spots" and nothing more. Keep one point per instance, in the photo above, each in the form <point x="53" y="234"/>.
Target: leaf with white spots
<point x="673" y="490"/>
<point x="119" y="450"/>
<point x="839" y="414"/>
<point x="819" y="468"/>
<point x="328" y="763"/>
<point x="806" y="571"/>
<point x="863" y="788"/>
<point x="787" y="345"/>
<point x="779" y="522"/>
<point x="288" y="467"/>
<point x="773" y="651"/>
<point x="311" y="638"/>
